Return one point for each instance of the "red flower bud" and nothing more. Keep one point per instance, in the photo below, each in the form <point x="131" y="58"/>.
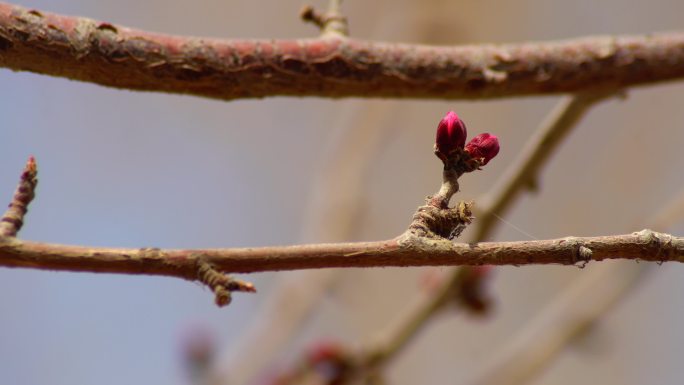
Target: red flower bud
<point x="473" y="289"/>
<point x="325" y="351"/>
<point x="451" y="135"/>
<point x="484" y="147"/>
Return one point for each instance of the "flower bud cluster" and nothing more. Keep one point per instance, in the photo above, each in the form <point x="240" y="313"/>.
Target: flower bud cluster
<point x="451" y="137"/>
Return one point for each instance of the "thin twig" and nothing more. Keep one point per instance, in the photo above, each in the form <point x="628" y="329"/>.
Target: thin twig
<point x="102" y="53"/>
<point x="332" y="24"/>
<point x="381" y="353"/>
<point x="221" y="284"/>
<point x="13" y="219"/>
<point x="408" y="250"/>
<point x="424" y="244"/>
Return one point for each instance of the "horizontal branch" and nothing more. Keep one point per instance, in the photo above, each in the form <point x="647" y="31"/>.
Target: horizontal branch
<point x="407" y="250"/>
<point x="102" y="53"/>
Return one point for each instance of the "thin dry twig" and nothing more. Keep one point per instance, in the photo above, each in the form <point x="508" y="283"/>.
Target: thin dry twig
<point x="567" y="316"/>
<point x="221" y="284"/>
<point x="115" y="56"/>
<point x="332" y="24"/>
<point x="13" y="219"/>
<point x="410" y="249"/>
<point x="407" y="250"/>
<point x="426" y="243"/>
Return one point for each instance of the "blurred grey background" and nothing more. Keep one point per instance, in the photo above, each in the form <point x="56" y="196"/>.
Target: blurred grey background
<point x="131" y="169"/>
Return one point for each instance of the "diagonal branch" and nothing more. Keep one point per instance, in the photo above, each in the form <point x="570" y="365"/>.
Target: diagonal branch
<point x="115" y="56"/>
<point x="521" y="174"/>
<point x="566" y="317"/>
<point x="533" y="157"/>
<point x="334" y="211"/>
<point x="570" y="314"/>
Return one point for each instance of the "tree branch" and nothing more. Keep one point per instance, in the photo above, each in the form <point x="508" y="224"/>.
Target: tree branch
<point x="407" y="250"/>
<point x="102" y="53"/>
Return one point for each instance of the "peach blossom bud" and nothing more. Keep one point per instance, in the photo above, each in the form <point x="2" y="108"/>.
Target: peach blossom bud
<point x="325" y="351"/>
<point x="484" y="146"/>
<point x="451" y="134"/>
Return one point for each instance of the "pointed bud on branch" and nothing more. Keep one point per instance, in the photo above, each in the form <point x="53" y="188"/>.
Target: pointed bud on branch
<point x="451" y="135"/>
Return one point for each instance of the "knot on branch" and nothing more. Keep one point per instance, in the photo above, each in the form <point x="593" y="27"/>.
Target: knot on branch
<point x="13" y="219"/>
<point x="581" y="254"/>
<point x="437" y="222"/>
<point x="661" y="245"/>
<point x="221" y="284"/>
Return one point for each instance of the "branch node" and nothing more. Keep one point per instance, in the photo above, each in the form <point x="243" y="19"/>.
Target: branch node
<point x="13" y="219"/>
<point x="221" y="284"/>
<point x="437" y="222"/>
<point x="662" y="243"/>
<point x="581" y="254"/>
<point x="584" y="255"/>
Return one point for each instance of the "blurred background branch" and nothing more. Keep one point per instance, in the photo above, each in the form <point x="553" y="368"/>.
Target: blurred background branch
<point x="571" y="314"/>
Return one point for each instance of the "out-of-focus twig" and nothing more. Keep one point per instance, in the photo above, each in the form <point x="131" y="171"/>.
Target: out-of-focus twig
<point x="669" y="215"/>
<point x="381" y="353"/>
<point x="533" y="157"/>
<point x="332" y="24"/>
<point x="568" y="315"/>
<point x="521" y="174"/>
<point x="336" y="203"/>
<point x="571" y="313"/>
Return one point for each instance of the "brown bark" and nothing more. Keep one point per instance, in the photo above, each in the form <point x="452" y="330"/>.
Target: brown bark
<point x="407" y="250"/>
<point x="102" y="53"/>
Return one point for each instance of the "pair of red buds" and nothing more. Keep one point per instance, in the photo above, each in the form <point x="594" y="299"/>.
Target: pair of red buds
<point x="451" y="138"/>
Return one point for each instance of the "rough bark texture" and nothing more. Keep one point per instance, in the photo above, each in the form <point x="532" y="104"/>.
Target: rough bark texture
<point x="92" y="51"/>
<point x="408" y="250"/>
